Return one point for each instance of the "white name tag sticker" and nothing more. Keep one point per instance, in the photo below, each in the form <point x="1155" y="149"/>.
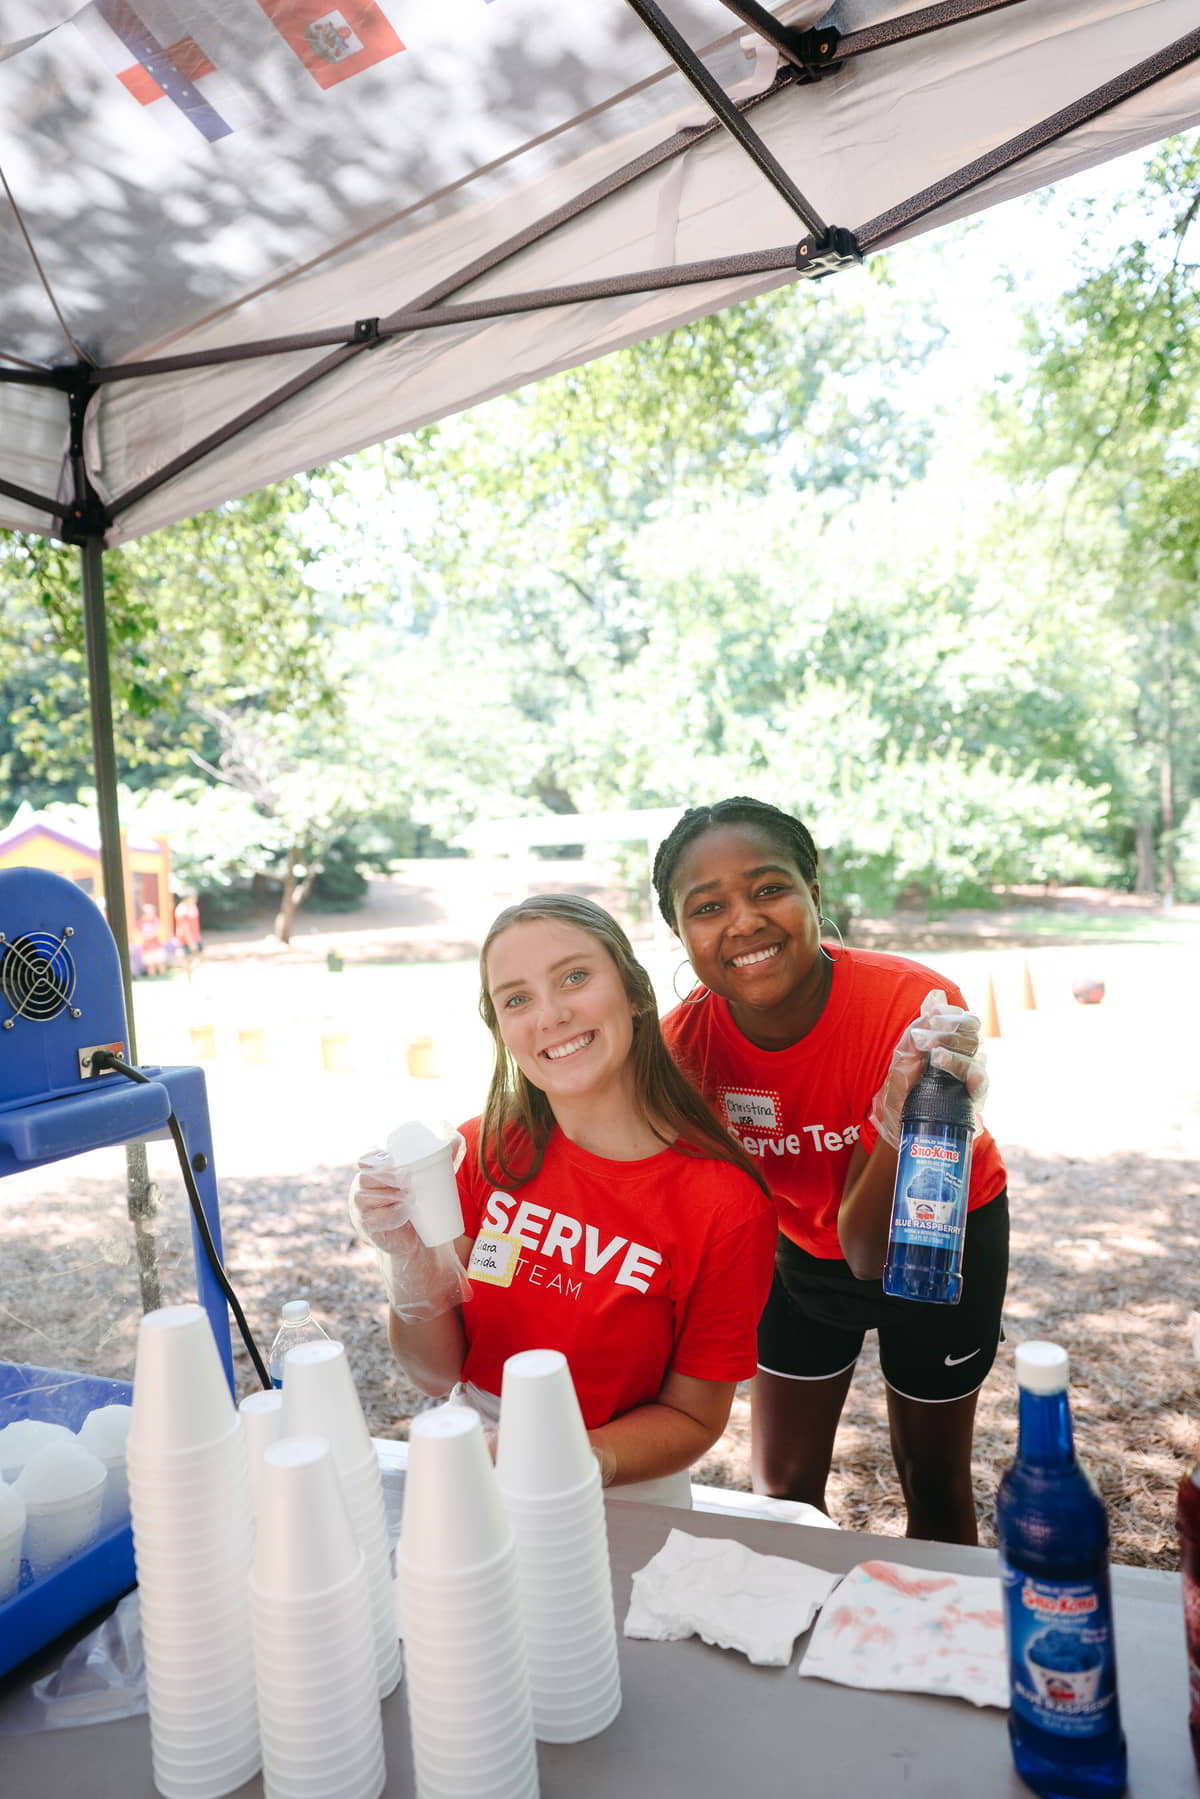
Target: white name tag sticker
<point x="494" y="1259"/>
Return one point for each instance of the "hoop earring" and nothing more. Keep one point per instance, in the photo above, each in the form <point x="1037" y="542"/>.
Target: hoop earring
<point x="822" y="921"/>
<point x="683" y="998"/>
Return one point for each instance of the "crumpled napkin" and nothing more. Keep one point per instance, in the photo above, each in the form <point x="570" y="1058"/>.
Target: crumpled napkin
<point x="717" y="1589"/>
<point x="909" y="1630"/>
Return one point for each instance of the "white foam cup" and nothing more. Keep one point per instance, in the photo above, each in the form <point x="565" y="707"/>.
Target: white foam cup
<point x="23" y="1438"/>
<point x="320" y="1400"/>
<point x="433" y="1663"/>
<point x="305" y="1542"/>
<point x="181" y="1399"/>
<point x="428" y="1160"/>
<point x="542" y="1446"/>
<point x="12" y="1532"/>
<point x="104" y="1431"/>
<point x="365" y="1785"/>
<point x="62" y="1487"/>
<point x="453" y="1515"/>
<point x="262" y="1420"/>
<point x="498" y="1771"/>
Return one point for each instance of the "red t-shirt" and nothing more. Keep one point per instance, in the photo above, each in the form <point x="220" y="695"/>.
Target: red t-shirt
<point x="801" y="1110"/>
<point x="632" y="1269"/>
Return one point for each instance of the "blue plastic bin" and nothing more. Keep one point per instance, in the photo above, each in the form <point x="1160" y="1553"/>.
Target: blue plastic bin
<point x="42" y="1609"/>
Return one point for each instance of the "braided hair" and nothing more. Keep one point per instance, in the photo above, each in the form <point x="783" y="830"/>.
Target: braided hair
<point x="794" y="838"/>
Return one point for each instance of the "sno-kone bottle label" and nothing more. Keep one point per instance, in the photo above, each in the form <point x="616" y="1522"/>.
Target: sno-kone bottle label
<point x="932" y="1167"/>
<point x="1061" y="1649"/>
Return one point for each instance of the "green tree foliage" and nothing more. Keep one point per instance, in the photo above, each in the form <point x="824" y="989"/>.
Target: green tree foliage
<point x="1105" y="425"/>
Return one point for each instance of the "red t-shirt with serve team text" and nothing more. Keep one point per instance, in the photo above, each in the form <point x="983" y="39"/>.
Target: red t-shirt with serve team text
<point x="800" y="1111"/>
<point x="632" y="1269"/>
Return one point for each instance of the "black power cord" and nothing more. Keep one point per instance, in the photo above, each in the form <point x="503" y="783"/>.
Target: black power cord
<point x="104" y="1058"/>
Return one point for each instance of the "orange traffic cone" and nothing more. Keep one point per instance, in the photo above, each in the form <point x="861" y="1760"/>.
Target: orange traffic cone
<point x="1027" y="998"/>
<point x="991" y="1018"/>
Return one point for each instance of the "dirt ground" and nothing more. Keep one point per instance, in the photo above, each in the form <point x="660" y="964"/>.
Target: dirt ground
<point x="1105" y="1193"/>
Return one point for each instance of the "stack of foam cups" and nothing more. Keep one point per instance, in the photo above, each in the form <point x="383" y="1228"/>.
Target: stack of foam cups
<point x="189" y="1493"/>
<point x="320" y="1400"/>
<point x="262" y="1421"/>
<point x="318" y="1697"/>
<point x="468" y="1685"/>
<point x="550" y="1483"/>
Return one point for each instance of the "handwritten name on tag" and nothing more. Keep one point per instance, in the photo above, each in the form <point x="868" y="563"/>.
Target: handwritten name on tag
<point x="494" y="1259"/>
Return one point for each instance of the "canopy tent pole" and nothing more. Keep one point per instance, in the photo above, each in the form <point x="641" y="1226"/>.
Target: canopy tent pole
<point x="141" y="1192"/>
<point x="91" y="554"/>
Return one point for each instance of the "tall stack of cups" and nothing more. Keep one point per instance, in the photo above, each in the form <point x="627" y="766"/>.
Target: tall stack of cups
<point x="320" y="1400"/>
<point x="468" y="1683"/>
<point x="318" y="1695"/>
<point x="262" y="1421"/>
<point x="551" y="1488"/>
<point x="189" y="1495"/>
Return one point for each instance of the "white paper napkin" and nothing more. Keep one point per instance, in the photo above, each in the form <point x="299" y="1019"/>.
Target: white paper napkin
<point x="913" y="1631"/>
<point x="719" y="1590"/>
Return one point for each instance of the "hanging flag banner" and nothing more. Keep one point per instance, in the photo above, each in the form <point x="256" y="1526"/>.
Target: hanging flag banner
<point x="333" y="42"/>
<point x="164" y="68"/>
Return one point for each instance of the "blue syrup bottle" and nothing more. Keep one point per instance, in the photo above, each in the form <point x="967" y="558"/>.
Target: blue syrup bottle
<point x="929" y="1205"/>
<point x="1052" y="1532"/>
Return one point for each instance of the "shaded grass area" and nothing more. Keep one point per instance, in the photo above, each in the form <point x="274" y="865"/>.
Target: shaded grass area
<point x="1104" y="1254"/>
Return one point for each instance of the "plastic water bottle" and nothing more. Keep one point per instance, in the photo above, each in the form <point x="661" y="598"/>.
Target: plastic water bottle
<point x="296" y="1325"/>
<point x="1052" y="1531"/>
<point x="929" y="1205"/>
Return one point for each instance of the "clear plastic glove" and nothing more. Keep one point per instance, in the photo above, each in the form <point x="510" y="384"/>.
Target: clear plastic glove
<point x="420" y="1282"/>
<point x="948" y="1038"/>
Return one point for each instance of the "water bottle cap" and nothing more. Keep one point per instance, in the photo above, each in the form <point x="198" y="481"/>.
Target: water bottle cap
<point x="295" y="1311"/>
<point x="1042" y="1367"/>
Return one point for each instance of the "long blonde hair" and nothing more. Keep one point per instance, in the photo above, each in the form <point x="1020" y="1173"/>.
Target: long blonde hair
<point x="518" y="1119"/>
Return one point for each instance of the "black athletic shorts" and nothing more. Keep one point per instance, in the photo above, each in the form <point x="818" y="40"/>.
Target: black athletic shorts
<point x="818" y="1313"/>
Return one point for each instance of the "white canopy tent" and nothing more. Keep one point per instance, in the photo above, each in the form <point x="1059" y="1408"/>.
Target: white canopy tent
<point x="242" y="237"/>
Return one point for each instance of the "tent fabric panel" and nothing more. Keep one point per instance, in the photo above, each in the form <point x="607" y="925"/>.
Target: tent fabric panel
<point x="33" y="443"/>
<point x="128" y="190"/>
<point x="712" y="201"/>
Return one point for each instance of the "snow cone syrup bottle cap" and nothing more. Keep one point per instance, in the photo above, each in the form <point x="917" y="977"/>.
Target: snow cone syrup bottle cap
<point x="1042" y="1367"/>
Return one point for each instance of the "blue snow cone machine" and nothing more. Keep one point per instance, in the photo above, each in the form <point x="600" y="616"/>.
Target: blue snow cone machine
<point x="62" y="1010"/>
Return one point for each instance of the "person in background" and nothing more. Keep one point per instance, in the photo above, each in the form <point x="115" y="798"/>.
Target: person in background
<point x="643" y="1236"/>
<point x="807" y="1055"/>
<point x="187" y="925"/>
<point x="150" y="938"/>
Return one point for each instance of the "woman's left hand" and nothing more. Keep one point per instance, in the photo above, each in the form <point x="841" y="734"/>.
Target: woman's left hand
<point x="949" y="1037"/>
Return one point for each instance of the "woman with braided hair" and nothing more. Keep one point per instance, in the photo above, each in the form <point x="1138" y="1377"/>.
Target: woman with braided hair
<point x="807" y="1055"/>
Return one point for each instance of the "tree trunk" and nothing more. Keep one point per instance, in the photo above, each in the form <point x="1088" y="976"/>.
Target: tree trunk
<point x="286" y="915"/>
<point x="295" y="891"/>
<point x="1143" y="838"/>
<point x="144" y="1201"/>
<point x="1166" y="774"/>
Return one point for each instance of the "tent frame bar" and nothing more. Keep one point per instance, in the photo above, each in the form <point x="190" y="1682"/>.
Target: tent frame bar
<point x="878" y="232"/>
<point x="37" y="501"/>
<point x="718" y="102"/>
<point x="905" y="27"/>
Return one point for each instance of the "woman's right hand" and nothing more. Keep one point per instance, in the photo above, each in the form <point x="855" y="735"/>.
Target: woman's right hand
<point x="421" y="1282"/>
<point x="381" y="1203"/>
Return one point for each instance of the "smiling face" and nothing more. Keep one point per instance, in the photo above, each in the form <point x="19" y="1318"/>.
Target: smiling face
<point x="748" y="918"/>
<point x="561" y="1009"/>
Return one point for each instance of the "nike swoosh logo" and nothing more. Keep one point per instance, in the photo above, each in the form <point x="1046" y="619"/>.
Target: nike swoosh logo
<point x="952" y="1361"/>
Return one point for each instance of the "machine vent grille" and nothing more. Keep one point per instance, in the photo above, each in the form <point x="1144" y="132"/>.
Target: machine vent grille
<point x="37" y="977"/>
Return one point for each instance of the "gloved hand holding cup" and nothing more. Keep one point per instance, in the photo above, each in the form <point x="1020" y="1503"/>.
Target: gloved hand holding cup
<point x="404" y="1204"/>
